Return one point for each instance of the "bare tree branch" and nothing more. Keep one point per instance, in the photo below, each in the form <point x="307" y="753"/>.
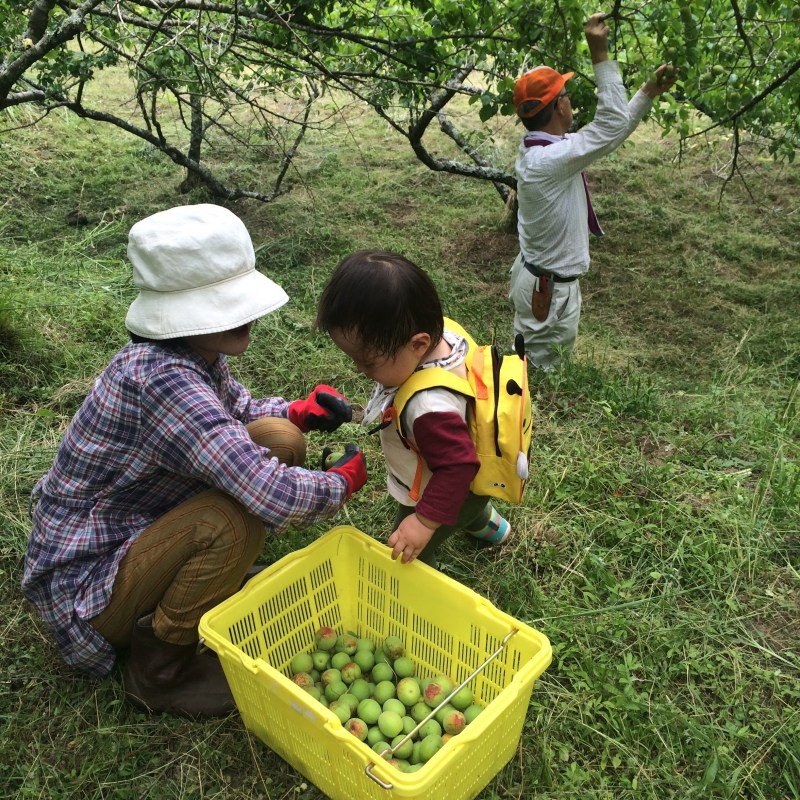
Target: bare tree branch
<point x="215" y="186"/>
<point x="416" y="131"/>
<point x="448" y="128"/>
<point x="737" y="15"/>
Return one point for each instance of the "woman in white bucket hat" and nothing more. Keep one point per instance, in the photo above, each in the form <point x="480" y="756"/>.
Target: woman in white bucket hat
<point x="170" y="474"/>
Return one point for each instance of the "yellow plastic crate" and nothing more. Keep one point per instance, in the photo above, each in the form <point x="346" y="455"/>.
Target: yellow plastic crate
<point x="348" y="581"/>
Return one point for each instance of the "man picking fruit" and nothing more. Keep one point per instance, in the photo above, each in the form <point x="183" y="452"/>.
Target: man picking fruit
<point x="171" y="474"/>
<point x="555" y="213"/>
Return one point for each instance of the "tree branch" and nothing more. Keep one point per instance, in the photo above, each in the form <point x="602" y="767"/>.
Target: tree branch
<point x="16" y="66"/>
<point x="215" y="186"/>
<point x="737" y="14"/>
<point x="780" y="80"/>
<point x="40" y="16"/>
<point x="447" y="127"/>
<point x="416" y="131"/>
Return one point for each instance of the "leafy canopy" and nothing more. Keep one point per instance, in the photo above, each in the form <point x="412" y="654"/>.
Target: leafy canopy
<point x="210" y="61"/>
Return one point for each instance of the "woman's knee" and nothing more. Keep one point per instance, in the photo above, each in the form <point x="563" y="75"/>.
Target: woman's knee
<point x="237" y="527"/>
<point x="282" y="438"/>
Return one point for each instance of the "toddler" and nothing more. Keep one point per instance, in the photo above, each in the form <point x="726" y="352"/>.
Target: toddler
<point x="383" y="311"/>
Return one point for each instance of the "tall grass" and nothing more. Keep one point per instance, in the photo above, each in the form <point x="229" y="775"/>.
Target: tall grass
<point x="657" y="546"/>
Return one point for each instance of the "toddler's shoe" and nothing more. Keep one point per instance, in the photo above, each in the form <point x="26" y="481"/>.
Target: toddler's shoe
<point x="496" y="530"/>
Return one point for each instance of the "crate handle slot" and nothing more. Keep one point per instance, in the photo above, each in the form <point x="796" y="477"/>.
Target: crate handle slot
<point x="492" y="657"/>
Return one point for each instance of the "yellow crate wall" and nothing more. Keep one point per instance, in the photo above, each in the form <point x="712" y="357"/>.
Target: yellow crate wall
<point x="347" y="581"/>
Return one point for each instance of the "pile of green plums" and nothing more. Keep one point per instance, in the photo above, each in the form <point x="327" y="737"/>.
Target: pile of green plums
<point x="376" y="693"/>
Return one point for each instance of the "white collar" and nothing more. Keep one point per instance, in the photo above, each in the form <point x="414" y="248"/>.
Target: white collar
<point x="382" y="396"/>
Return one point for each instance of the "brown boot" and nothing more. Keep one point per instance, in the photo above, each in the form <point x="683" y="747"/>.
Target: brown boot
<point x="173" y="678"/>
<point x="252" y="572"/>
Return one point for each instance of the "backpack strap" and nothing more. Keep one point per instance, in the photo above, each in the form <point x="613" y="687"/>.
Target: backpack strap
<point x="474" y="364"/>
<point x="430" y="378"/>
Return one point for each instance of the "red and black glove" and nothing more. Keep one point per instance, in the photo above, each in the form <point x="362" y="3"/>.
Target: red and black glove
<point x="350" y="464"/>
<point x="325" y="409"/>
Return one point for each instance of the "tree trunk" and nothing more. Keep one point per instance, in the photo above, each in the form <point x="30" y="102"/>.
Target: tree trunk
<point x="508" y="223"/>
<point x="193" y="179"/>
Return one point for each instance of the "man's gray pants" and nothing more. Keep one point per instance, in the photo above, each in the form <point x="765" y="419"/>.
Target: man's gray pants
<point x="545" y="342"/>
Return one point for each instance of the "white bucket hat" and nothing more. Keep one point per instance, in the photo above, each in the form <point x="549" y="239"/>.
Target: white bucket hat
<point x="195" y="270"/>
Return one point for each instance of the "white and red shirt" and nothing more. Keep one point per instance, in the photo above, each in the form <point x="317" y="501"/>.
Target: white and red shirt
<point x="436" y="423"/>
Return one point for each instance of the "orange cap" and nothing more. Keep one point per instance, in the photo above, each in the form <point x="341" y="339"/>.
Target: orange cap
<point x="538" y="87"/>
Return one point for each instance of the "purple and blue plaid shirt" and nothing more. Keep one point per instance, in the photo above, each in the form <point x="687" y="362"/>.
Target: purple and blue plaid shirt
<point x="158" y="427"/>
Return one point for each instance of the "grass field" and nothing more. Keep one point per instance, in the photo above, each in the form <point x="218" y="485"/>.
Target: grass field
<point x="657" y="546"/>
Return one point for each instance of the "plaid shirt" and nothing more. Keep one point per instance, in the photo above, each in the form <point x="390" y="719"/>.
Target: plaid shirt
<point x="158" y="427"/>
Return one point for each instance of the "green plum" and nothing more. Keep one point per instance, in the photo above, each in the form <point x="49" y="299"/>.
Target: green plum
<point x="302" y="662"/>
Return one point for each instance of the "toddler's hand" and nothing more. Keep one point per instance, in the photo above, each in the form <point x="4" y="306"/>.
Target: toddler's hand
<point x="410" y="538"/>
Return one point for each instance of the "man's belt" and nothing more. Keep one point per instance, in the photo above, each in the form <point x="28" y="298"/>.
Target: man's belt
<point x="541" y="273"/>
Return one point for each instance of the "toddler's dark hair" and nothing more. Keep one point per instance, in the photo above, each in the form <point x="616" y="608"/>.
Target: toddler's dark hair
<point x="382" y="299"/>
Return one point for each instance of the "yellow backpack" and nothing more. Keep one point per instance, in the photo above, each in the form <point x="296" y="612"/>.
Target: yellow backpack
<point x="499" y="416"/>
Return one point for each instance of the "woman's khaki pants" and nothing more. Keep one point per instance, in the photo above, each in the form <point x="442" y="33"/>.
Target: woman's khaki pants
<point x="193" y="557"/>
